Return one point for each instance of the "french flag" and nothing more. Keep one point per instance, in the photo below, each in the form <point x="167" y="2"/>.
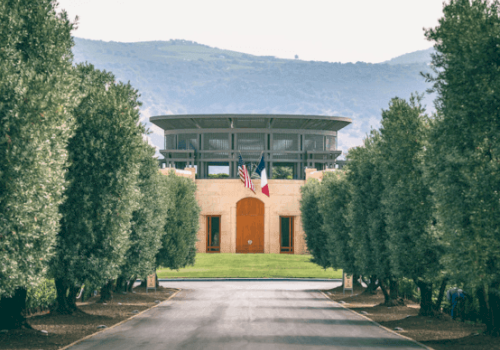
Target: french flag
<point x="261" y="170"/>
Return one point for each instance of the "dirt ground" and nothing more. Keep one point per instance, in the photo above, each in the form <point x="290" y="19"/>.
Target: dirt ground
<point x="439" y="332"/>
<point x="64" y="329"/>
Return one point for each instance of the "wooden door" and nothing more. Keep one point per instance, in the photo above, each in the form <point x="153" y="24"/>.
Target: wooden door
<point x="250" y="226"/>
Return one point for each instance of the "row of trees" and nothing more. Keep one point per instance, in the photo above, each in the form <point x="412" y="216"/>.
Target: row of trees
<point x="81" y="197"/>
<point x="420" y="199"/>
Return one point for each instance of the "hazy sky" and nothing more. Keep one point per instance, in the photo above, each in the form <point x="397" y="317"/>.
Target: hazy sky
<point x="321" y="30"/>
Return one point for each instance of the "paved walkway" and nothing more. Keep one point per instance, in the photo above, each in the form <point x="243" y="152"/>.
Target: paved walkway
<point x="248" y="315"/>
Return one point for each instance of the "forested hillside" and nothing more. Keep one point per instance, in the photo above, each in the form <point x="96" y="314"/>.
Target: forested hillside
<point x="180" y="76"/>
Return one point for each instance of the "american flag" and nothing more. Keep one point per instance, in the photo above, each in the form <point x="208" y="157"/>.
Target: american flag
<point x="244" y="175"/>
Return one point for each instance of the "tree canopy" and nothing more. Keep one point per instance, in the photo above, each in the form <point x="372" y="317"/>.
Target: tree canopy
<point x="182" y="223"/>
<point x="105" y="154"/>
<point x="37" y="97"/>
<point x="463" y="160"/>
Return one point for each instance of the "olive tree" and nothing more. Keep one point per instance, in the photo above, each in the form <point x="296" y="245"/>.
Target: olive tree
<point x="463" y="163"/>
<point x="415" y="251"/>
<point x="367" y="220"/>
<point x="334" y="200"/>
<point x="312" y="222"/>
<point x="37" y="96"/>
<point x="181" y="225"/>
<point x="102" y="193"/>
<point x="148" y="222"/>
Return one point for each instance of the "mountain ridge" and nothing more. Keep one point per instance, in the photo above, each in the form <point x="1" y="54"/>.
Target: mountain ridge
<point x="183" y="77"/>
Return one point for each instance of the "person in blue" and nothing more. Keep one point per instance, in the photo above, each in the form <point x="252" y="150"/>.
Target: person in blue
<point x="454" y="295"/>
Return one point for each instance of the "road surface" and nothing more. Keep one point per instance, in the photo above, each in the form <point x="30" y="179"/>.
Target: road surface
<point x="247" y="315"/>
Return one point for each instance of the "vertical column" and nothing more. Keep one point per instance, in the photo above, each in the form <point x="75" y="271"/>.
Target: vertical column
<point x="232" y="220"/>
<point x="267" y="230"/>
<point x="270" y="156"/>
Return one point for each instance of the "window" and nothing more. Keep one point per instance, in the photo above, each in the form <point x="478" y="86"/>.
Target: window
<point x="213" y="234"/>
<point x="286" y="234"/>
<point x="314" y="143"/>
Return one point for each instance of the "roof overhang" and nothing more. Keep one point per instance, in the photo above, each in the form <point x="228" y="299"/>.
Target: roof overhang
<point x="253" y="121"/>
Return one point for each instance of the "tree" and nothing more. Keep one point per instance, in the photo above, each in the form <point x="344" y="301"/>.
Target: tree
<point x="148" y="222"/>
<point x="414" y="250"/>
<point x="282" y="172"/>
<point x="367" y="221"/>
<point x="36" y="96"/>
<point x="181" y="226"/>
<point x="334" y="200"/>
<point x="102" y="194"/>
<point x="312" y="223"/>
<point x="463" y="159"/>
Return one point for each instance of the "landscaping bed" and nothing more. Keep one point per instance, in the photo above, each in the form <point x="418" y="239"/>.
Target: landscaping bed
<point x="439" y="332"/>
<point x="63" y="330"/>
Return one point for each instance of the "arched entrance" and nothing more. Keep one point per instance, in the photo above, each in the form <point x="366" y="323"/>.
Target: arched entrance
<point x="250" y="226"/>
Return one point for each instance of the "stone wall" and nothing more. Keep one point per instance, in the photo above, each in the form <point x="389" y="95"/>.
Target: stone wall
<point x="219" y="197"/>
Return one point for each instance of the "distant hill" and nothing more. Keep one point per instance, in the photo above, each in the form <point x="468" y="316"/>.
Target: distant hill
<point x="178" y="76"/>
<point x="421" y="56"/>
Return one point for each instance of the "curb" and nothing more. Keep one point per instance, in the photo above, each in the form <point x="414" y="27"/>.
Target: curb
<point x="378" y="324"/>
<point x="248" y="279"/>
<point x="119" y="323"/>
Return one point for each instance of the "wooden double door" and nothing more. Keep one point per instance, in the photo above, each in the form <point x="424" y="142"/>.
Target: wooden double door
<point x="250" y="226"/>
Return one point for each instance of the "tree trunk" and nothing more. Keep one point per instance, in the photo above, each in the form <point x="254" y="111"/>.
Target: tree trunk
<point x="131" y="282"/>
<point x="394" y="289"/>
<point x="121" y="285"/>
<point x="371" y="286"/>
<point x="11" y="311"/>
<point x="483" y="304"/>
<point x="65" y="298"/>
<point x="426" y="307"/>
<point x="106" y="292"/>
<point x="437" y="306"/>
<point x="394" y="299"/>
<point x="384" y="290"/>
<point x="493" y="324"/>
<point x="355" y="281"/>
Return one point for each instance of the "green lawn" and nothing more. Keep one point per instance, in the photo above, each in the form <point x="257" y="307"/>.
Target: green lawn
<point x="251" y="265"/>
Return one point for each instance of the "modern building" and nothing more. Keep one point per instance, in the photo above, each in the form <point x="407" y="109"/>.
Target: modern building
<point x="233" y="218"/>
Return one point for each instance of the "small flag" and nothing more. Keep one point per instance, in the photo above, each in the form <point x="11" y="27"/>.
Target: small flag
<point x="244" y="175"/>
<point x="261" y="170"/>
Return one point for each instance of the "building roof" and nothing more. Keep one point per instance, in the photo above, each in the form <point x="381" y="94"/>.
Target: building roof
<point x="237" y="121"/>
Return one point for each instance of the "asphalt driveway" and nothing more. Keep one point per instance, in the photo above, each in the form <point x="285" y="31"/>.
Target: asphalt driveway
<point x="248" y="315"/>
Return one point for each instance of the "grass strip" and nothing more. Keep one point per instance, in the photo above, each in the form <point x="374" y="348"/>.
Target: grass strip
<point x="227" y="265"/>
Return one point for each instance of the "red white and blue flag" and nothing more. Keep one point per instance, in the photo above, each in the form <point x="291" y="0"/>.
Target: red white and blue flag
<point x="244" y="175"/>
<point x="261" y="170"/>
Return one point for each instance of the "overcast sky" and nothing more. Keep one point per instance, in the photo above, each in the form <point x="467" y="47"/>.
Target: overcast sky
<point x="320" y="30"/>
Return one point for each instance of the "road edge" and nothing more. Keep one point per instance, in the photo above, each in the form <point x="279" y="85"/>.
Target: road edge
<point x="119" y="323"/>
<point x="376" y="323"/>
